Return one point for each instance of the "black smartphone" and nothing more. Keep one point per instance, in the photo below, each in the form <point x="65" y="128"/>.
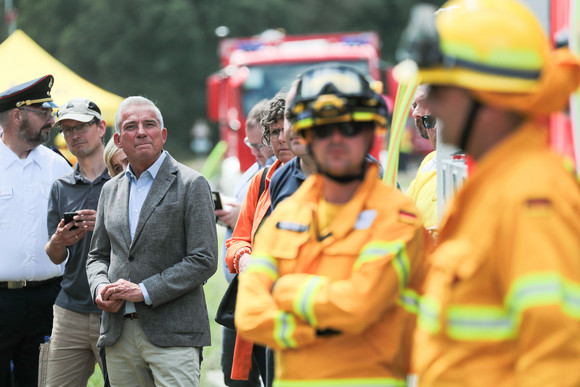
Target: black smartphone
<point x="69" y="217"/>
<point x="217" y="200"/>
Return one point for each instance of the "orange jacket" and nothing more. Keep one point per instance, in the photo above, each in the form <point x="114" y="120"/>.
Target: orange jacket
<point x="357" y="279"/>
<point x="502" y="300"/>
<point x="251" y="215"/>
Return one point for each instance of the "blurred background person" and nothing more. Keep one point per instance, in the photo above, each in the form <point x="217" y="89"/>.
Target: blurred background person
<point x="423" y="189"/>
<point x="115" y="158"/>
<point x="229" y="216"/>
<point x="255" y="208"/>
<point x="500" y="304"/>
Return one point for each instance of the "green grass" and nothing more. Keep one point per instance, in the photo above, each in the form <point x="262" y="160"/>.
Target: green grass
<point x="214" y="290"/>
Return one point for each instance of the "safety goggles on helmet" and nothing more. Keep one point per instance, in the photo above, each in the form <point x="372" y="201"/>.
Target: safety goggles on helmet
<point x="334" y="93"/>
<point x="422" y="44"/>
<point x="429" y="121"/>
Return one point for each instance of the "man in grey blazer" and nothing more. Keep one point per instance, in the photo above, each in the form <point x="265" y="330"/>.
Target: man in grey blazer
<point x="153" y="247"/>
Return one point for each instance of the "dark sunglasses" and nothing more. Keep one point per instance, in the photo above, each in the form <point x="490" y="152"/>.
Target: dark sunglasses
<point x="346" y="129"/>
<point x="429" y="121"/>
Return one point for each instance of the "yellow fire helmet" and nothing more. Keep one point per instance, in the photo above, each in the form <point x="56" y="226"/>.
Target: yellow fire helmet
<point x="495" y="48"/>
<point x="334" y="93"/>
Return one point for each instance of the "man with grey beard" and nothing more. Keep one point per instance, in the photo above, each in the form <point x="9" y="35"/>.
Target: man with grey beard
<point x="29" y="281"/>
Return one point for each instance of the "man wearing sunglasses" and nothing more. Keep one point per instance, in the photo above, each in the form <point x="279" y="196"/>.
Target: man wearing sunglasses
<point x="423" y="189"/>
<point x="29" y="281"/>
<point x="501" y="304"/>
<point x="332" y="275"/>
<point x="73" y="343"/>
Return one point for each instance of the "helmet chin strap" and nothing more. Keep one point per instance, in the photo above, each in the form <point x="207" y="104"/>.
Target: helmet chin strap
<point x="468" y="127"/>
<point x="345" y="179"/>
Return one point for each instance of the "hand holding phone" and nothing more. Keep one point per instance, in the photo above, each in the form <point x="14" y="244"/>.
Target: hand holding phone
<point x="69" y="217"/>
<point x="217" y="200"/>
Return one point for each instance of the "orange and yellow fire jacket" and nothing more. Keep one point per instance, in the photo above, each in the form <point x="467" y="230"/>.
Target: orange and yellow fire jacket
<point x="502" y="297"/>
<point x="335" y="305"/>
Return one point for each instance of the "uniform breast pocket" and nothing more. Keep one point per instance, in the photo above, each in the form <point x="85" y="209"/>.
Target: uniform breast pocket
<point x="290" y="240"/>
<point x="454" y="265"/>
<point x="344" y="253"/>
<point x="464" y="296"/>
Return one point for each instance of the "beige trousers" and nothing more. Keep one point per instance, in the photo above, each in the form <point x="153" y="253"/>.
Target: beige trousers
<point x="134" y="361"/>
<point x="72" y="348"/>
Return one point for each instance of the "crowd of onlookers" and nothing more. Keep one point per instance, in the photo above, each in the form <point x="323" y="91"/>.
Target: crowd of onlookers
<point x="337" y="278"/>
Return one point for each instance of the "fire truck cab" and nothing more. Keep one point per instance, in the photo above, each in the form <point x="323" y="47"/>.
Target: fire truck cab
<point x="255" y="68"/>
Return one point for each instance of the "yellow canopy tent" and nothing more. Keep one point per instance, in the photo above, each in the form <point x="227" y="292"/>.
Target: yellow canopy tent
<point x="22" y="60"/>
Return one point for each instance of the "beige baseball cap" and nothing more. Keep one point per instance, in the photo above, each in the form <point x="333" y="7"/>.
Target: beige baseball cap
<point x="79" y="109"/>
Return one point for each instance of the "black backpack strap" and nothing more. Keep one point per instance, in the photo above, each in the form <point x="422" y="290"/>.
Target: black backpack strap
<point x="263" y="183"/>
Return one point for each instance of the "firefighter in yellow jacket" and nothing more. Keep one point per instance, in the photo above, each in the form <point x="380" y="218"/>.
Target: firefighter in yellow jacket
<point x="502" y="299"/>
<point x="338" y="264"/>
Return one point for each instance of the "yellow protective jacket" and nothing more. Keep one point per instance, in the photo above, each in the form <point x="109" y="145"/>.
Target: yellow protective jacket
<point x="502" y="298"/>
<point x="423" y="192"/>
<point x="357" y="279"/>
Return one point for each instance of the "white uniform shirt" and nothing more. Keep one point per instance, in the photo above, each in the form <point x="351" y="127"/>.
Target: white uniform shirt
<point x="24" y="190"/>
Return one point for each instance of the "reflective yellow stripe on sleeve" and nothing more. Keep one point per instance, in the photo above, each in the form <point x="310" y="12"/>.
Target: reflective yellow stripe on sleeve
<point x="429" y="314"/>
<point x="540" y="289"/>
<point x="501" y="322"/>
<point x="284" y="327"/>
<point x="374" y="251"/>
<point x="263" y="263"/>
<point x="480" y="323"/>
<point x="409" y="300"/>
<point x="304" y="302"/>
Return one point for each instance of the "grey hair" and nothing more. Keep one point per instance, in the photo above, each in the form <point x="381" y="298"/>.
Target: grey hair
<point x="132" y="101"/>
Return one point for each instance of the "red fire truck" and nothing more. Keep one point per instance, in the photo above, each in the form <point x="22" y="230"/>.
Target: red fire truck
<point x="256" y="68"/>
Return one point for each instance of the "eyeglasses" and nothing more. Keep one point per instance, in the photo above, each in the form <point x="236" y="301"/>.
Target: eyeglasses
<point x="346" y="129"/>
<point x="80" y="129"/>
<point x="429" y="121"/>
<point x="44" y="113"/>
<point x="256" y="147"/>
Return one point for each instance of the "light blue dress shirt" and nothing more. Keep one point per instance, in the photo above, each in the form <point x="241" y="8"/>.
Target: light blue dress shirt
<point x="139" y="189"/>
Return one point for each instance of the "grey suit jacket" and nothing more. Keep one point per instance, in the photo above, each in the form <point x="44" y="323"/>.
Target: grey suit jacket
<point x="173" y="252"/>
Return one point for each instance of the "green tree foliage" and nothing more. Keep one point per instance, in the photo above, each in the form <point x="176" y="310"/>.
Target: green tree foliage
<point x="165" y="50"/>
